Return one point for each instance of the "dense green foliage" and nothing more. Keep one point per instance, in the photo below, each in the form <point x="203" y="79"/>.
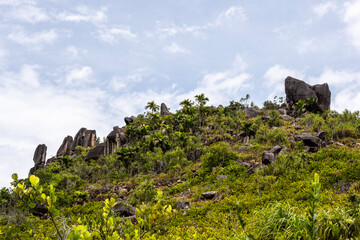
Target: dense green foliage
<point x="302" y="195"/>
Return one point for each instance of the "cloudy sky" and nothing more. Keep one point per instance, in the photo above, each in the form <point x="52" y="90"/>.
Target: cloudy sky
<point x="71" y="64"/>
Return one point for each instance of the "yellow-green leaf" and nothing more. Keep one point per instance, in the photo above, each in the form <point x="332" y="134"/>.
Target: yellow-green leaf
<point x="34" y="180"/>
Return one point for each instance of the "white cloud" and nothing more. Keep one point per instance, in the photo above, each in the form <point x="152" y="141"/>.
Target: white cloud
<point x="16" y="2"/>
<point x="352" y="19"/>
<point x="347" y="99"/>
<point x="34" y="40"/>
<point x="84" y="14"/>
<point x="323" y="8"/>
<point x="175" y="48"/>
<point x="223" y="86"/>
<point x="79" y="76"/>
<point x="230" y="16"/>
<point x="42" y="114"/>
<point x="29" y="75"/>
<point x="275" y="77"/>
<point x="28" y="13"/>
<point x="113" y="34"/>
<point x="338" y="79"/>
<point x="123" y="82"/>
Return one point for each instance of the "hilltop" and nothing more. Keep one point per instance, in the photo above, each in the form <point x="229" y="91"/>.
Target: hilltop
<point x="288" y="170"/>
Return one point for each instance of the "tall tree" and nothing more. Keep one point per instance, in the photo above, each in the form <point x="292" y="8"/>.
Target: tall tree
<point x="152" y="106"/>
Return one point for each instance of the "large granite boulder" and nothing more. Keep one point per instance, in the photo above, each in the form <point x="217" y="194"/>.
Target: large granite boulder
<point x="115" y="139"/>
<point x="40" y="154"/>
<point x="96" y="152"/>
<point x="84" y="138"/>
<point x="65" y="148"/>
<point x="123" y="208"/>
<point x="308" y="139"/>
<point x="296" y="90"/>
<point x="251" y="112"/>
<point x="39" y="158"/>
<point x="129" y="120"/>
<point x="164" y="110"/>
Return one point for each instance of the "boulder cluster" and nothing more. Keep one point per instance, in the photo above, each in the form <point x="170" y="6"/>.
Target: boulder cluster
<point x="295" y="90"/>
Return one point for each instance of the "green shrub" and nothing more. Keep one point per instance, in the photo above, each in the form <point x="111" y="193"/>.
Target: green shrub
<point x="145" y="192"/>
<point x="218" y="155"/>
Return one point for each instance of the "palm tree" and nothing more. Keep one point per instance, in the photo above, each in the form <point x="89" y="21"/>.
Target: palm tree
<point x="201" y="99"/>
<point x="152" y="106"/>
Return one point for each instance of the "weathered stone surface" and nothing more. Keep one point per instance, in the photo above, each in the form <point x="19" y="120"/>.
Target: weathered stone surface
<point x="267" y="158"/>
<point x="182" y="204"/>
<point x="96" y="152"/>
<point x="40" y="154"/>
<point x="115" y="139"/>
<point x="129" y="120"/>
<point x="123" y="208"/>
<point x="209" y="195"/>
<point x="222" y="178"/>
<point x="65" y="148"/>
<point x="282" y="111"/>
<point x="308" y="139"/>
<point x="84" y="138"/>
<point x="286" y="117"/>
<point x="296" y="90"/>
<point x="164" y="109"/>
<point x="321" y="135"/>
<point x="251" y="112"/>
<point x="51" y="160"/>
<point x="36" y="167"/>
<point x="276" y="150"/>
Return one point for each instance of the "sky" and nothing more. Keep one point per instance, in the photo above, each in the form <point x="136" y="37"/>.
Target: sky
<point x="85" y="63"/>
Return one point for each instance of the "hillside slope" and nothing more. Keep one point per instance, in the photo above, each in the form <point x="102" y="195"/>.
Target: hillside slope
<point x="233" y="172"/>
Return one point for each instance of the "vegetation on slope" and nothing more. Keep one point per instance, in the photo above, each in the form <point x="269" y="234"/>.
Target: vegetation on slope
<point x="302" y="195"/>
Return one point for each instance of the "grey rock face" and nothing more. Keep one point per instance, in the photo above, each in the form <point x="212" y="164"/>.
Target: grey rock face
<point x="115" y="139"/>
<point x="84" y="138"/>
<point x="124" y="209"/>
<point x="221" y="178"/>
<point x="164" y="109"/>
<point x="40" y="154"/>
<point x="96" y="152"/>
<point x="65" y="148"/>
<point x="308" y="139"/>
<point x="182" y="204"/>
<point x="251" y="112"/>
<point x="129" y="120"/>
<point x="209" y="195"/>
<point x="51" y="160"/>
<point x="286" y="117"/>
<point x="296" y="90"/>
<point x="267" y="158"/>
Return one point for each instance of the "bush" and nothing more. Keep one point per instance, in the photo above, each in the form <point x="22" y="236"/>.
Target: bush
<point x="145" y="192"/>
<point x="218" y="155"/>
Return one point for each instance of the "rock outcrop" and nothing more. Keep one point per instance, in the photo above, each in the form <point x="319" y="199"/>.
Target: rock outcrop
<point x="96" y="152"/>
<point x="296" y="90"/>
<point x="269" y="157"/>
<point x="164" y="110"/>
<point x="39" y="158"/>
<point x="65" y="148"/>
<point x="251" y="112"/>
<point x="129" y="120"/>
<point x="84" y="138"/>
<point x="115" y="139"/>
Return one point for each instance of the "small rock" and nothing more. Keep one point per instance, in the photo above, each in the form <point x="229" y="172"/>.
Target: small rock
<point x="286" y="117"/>
<point x="164" y="110"/>
<point x="182" y="204"/>
<point x="308" y="139"/>
<point x="267" y="158"/>
<point x="124" y="209"/>
<point x="209" y="195"/>
<point x="321" y="135"/>
<point x="251" y="112"/>
<point x="222" y="178"/>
